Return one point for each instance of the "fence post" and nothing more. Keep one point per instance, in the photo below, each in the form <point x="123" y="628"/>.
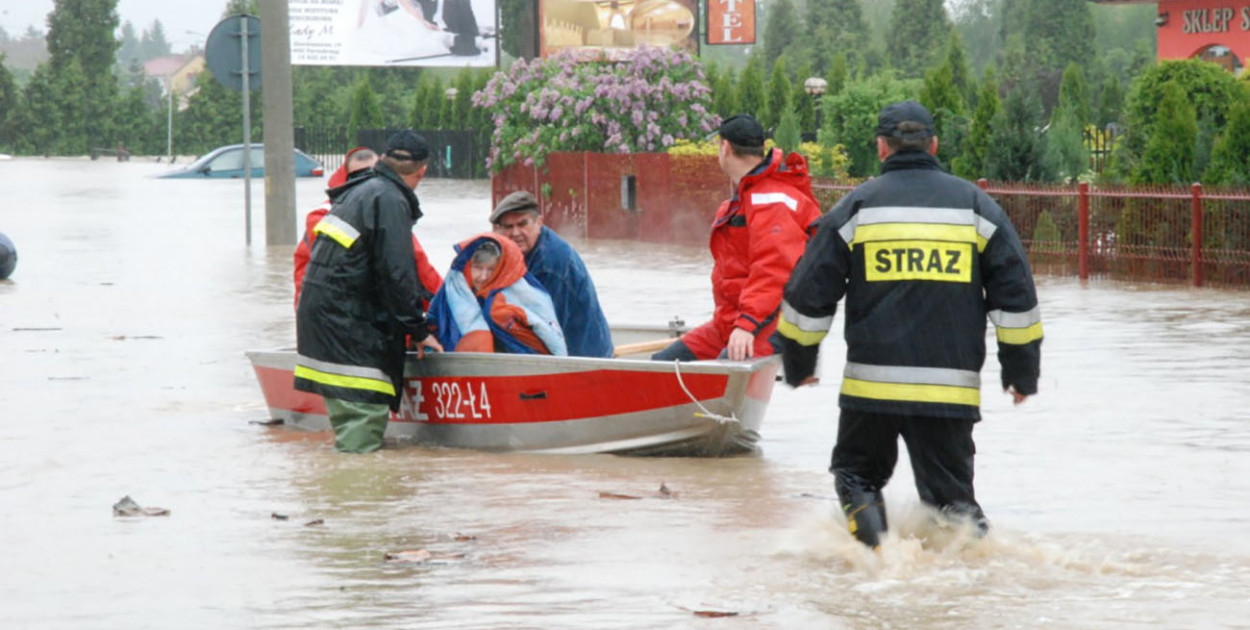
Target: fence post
<point x="1196" y="228"/>
<point x="983" y="184"/>
<point x="1083" y="229"/>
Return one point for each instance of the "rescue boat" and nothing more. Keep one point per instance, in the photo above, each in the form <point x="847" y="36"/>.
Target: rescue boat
<point x="627" y="405"/>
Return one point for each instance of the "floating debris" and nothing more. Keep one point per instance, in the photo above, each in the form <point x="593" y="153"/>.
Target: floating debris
<point x="279" y="517"/>
<point x="665" y="493"/>
<point x="315" y="522"/>
<point x="715" y="613"/>
<point x="458" y="537"/>
<point x="124" y="337"/>
<point x="128" y="507"/>
<point x="272" y="422"/>
<point x="613" y="495"/>
<point x="420" y="556"/>
<point x="35" y="329"/>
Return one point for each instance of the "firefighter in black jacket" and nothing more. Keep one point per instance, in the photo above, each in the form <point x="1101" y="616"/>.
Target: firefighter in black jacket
<point x="922" y="258"/>
<point x="361" y="297"/>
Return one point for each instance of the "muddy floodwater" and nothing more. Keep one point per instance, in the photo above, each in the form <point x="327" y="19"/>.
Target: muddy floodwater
<point x="1119" y="496"/>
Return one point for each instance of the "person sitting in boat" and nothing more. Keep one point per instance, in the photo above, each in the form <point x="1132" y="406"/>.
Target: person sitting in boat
<point x="489" y="303"/>
<point x="555" y="264"/>
<point x="357" y="162"/>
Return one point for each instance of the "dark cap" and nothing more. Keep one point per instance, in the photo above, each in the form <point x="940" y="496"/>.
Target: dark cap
<point x="895" y="114"/>
<point x="406" y="145"/>
<point x="519" y="200"/>
<point x="743" y="130"/>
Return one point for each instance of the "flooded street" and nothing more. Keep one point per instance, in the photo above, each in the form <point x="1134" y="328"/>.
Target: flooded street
<point x="1120" y="496"/>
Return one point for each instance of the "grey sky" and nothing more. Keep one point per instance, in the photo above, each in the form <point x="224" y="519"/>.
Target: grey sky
<point x="177" y="17"/>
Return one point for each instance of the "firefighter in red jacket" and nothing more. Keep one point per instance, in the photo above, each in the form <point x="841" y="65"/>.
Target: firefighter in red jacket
<point x="357" y="161"/>
<point x="757" y="237"/>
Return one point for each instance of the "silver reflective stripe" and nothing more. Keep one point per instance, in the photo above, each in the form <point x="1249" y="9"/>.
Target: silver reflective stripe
<point x="803" y="322"/>
<point x="759" y="199"/>
<point x="985" y="228"/>
<point x="900" y="214"/>
<point x="1005" y="319"/>
<point x="847" y="231"/>
<point x="343" y="226"/>
<point x="342" y="370"/>
<point x="912" y="375"/>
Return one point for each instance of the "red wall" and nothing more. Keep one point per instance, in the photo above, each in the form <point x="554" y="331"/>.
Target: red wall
<point x="1175" y="43"/>
<point x="580" y="195"/>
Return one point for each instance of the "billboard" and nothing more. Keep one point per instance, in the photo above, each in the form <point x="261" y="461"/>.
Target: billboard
<point x="606" y="28"/>
<point x="730" y="22"/>
<point x="394" y="33"/>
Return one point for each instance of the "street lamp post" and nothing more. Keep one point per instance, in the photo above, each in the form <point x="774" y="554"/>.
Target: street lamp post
<point x="816" y="87"/>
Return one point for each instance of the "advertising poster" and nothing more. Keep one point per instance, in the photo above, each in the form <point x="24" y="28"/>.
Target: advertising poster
<point x="452" y="33"/>
<point x="605" y="28"/>
<point x="730" y="22"/>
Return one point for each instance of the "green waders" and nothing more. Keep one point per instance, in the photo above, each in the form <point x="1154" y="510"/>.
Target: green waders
<point x="358" y="426"/>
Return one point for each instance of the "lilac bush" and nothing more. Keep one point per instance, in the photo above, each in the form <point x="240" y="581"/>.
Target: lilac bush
<point x="645" y="101"/>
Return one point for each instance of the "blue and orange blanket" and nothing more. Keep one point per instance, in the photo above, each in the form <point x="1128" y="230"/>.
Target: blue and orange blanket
<point x="510" y="312"/>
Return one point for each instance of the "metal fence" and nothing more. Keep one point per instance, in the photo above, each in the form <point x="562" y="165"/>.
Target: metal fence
<point x="455" y="154"/>
<point x="1155" y="234"/>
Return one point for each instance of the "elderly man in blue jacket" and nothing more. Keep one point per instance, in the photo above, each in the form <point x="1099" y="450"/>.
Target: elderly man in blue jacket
<point x="561" y="271"/>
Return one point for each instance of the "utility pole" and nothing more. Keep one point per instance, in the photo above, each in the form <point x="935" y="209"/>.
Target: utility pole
<point x="275" y="64"/>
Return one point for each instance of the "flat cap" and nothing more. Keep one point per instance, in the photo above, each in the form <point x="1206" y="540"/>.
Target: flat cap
<point x="519" y="200"/>
<point x="407" y="145"/>
<point x="891" y="121"/>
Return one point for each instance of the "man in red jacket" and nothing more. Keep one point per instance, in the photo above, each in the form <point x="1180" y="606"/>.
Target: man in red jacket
<point x="757" y="237"/>
<point x="357" y="161"/>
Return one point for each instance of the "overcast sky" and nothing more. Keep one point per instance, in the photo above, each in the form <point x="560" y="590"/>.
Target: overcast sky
<point x="177" y="17"/>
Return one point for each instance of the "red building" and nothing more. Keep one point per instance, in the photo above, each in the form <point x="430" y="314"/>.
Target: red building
<point x="1215" y="30"/>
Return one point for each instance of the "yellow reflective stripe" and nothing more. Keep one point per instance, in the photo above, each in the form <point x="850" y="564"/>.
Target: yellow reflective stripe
<point x="335" y="232"/>
<point x="910" y="392"/>
<point x="1020" y="336"/>
<point x="348" y="382"/>
<point x="798" y="335"/>
<point x="919" y="232"/>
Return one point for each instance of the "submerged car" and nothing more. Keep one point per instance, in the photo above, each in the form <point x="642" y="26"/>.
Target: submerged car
<point x="227" y="161"/>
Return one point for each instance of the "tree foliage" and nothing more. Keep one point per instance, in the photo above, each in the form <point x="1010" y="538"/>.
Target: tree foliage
<point x="971" y="163"/>
<point x="365" y="112"/>
<point x="850" y="118"/>
<point x="1230" y="160"/>
<point x="781" y="30"/>
<point x="1019" y="148"/>
<point x="919" y="29"/>
<point x="750" y="98"/>
<point x="1169" y="154"/>
<point x="833" y="27"/>
<point x="777" y="100"/>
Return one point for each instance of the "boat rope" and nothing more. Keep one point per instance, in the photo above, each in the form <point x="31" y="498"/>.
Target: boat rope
<point x="703" y="411"/>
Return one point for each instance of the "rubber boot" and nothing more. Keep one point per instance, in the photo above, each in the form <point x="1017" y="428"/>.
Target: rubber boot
<point x="865" y="516"/>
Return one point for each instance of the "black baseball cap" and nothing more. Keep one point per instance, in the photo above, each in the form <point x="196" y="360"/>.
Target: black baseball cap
<point x="743" y="130"/>
<point x="407" y="145"/>
<point x="895" y="114"/>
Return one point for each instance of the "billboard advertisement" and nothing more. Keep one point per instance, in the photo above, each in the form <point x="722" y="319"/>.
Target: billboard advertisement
<point x="451" y="33"/>
<point x="730" y="22"/>
<point x="606" y="28"/>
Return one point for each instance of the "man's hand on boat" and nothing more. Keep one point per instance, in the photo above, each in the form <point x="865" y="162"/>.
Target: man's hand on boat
<point x="741" y="345"/>
<point x="429" y="343"/>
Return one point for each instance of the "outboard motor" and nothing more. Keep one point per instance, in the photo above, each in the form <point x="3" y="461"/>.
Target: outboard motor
<point x="8" y="257"/>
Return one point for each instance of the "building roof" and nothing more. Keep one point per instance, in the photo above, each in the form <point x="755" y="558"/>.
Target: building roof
<point x="165" y="66"/>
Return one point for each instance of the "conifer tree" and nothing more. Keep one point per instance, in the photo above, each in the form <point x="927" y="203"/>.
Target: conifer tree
<point x="751" y="89"/>
<point x="973" y="154"/>
<point x="1073" y="95"/>
<point x="1110" y="102"/>
<point x="838" y="74"/>
<point x="918" y="32"/>
<point x="1170" y="151"/>
<point x="1230" y="159"/>
<point x="957" y="60"/>
<point x="787" y="135"/>
<point x="9" y="97"/>
<point x="463" y="102"/>
<point x="778" y="97"/>
<point x="781" y="30"/>
<point x="365" y="111"/>
<point x="36" y="120"/>
<point x="804" y="104"/>
<point x="80" y="33"/>
<point x="1019" y="150"/>
<point x="1058" y="32"/>
<point x="725" y="95"/>
<point x="833" y="27"/>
